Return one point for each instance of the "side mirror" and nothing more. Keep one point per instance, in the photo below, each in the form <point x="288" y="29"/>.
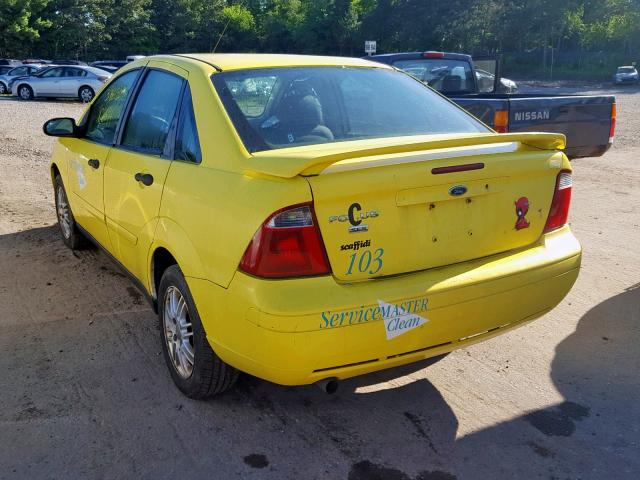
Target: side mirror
<point x="61" y="127"/>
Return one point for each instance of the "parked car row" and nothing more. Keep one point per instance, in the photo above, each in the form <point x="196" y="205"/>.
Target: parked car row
<point x="31" y="78"/>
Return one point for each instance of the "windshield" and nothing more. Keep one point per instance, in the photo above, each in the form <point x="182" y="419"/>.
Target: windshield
<point x="444" y="75"/>
<point x="287" y="107"/>
<point x="626" y="70"/>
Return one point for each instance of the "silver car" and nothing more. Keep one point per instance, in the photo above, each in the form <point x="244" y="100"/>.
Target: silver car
<point x="62" y="81"/>
<point x="627" y="74"/>
<point x="8" y="78"/>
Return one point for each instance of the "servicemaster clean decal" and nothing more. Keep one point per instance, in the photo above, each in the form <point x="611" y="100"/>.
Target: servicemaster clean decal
<point x="398" y="318"/>
<point x="397" y="322"/>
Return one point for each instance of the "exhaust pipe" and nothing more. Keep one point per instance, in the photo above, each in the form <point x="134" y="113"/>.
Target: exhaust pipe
<point x="328" y="385"/>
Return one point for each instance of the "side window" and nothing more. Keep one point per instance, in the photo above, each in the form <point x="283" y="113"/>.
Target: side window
<point x="54" y="72"/>
<point x="74" y="72"/>
<point x="153" y="112"/>
<point x="19" y="71"/>
<point x="107" y="109"/>
<point x="187" y="144"/>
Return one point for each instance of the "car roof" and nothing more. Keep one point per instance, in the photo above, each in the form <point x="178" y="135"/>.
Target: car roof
<point x="240" y="61"/>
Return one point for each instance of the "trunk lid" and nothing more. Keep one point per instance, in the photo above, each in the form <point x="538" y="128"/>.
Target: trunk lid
<point x="397" y="208"/>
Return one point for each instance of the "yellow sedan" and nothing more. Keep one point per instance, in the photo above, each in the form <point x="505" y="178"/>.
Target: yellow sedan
<point x="308" y="219"/>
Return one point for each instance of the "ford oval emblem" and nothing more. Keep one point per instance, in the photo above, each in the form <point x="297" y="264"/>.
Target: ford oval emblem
<point x="457" y="190"/>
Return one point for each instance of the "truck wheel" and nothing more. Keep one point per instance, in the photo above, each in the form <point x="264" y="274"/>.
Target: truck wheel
<point x="195" y="368"/>
<point x="71" y="236"/>
<point x="25" y="92"/>
<point x="86" y="94"/>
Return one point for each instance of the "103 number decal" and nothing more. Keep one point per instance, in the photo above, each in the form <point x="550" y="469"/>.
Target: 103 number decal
<point x="366" y="262"/>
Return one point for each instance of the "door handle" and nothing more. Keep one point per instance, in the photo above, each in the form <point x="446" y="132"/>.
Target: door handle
<point x="145" y="178"/>
<point x="93" y="163"/>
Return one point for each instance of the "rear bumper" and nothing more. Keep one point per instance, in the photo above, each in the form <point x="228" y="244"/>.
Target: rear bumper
<point x="296" y="332"/>
<point x="587" y="151"/>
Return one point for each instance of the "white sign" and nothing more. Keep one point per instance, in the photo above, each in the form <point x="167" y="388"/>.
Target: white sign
<point x="370" y="47"/>
<point x="397" y="320"/>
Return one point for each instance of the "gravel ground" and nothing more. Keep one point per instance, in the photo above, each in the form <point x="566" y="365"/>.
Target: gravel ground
<point x="85" y="392"/>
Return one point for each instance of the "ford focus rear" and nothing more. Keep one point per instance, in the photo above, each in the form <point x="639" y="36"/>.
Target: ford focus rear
<point x="320" y="218"/>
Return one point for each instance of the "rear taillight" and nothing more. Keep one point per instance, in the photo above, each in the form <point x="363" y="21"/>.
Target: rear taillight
<point x="287" y="244"/>
<point x="103" y="79"/>
<point x="501" y="121"/>
<point x="559" y="211"/>
<point x="612" y="128"/>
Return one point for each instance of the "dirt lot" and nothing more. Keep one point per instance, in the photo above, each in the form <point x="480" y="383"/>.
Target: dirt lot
<point x="85" y="392"/>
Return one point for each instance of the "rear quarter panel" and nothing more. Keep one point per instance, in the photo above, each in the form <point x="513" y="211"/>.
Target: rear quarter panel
<point x="208" y="216"/>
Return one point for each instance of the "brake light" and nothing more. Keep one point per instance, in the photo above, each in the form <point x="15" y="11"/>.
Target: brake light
<point x="287" y="244"/>
<point x="501" y="121"/>
<point x="103" y="79"/>
<point x="433" y="55"/>
<point x="559" y="211"/>
<point x="612" y="129"/>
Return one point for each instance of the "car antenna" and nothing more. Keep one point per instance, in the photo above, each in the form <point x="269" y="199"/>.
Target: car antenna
<point x="220" y="37"/>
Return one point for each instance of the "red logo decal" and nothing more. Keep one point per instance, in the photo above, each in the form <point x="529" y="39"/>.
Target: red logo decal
<point x="522" y="207"/>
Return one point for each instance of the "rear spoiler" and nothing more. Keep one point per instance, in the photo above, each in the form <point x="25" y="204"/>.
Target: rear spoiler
<point x="313" y="159"/>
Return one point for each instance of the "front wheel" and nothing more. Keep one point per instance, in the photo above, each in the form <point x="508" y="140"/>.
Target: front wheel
<point x="25" y="92"/>
<point x="195" y="368"/>
<point x="86" y="94"/>
<point x="71" y="236"/>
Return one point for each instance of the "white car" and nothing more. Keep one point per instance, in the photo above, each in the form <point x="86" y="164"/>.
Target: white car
<point x="627" y="74"/>
<point x="74" y="81"/>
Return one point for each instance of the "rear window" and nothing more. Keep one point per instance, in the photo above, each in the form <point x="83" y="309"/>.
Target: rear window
<point x="444" y="75"/>
<point x="286" y="107"/>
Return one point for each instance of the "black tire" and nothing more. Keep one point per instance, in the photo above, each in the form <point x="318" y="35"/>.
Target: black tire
<point x="3" y="88"/>
<point x="25" y="92"/>
<point x="71" y="236"/>
<point x="210" y="375"/>
<point x="86" y="94"/>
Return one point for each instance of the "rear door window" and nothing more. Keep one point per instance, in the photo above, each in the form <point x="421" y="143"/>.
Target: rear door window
<point x="74" y="72"/>
<point x="187" y="146"/>
<point x="152" y="114"/>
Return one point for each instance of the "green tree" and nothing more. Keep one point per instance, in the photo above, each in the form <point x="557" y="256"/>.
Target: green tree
<point x="20" y="25"/>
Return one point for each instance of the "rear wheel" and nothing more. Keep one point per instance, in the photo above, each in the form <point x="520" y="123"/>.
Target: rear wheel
<point x="71" y="236"/>
<point x="86" y="94"/>
<point x="25" y="92"/>
<point x="3" y="88"/>
<point x="195" y="368"/>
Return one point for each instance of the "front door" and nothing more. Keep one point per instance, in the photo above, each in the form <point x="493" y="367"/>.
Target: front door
<point x="46" y="83"/>
<point x="88" y="156"/>
<point x="138" y="165"/>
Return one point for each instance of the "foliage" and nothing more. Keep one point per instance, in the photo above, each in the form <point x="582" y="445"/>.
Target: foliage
<point x="114" y="28"/>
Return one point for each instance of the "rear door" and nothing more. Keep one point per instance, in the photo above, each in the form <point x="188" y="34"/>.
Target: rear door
<point x="70" y="83"/>
<point x="138" y="165"/>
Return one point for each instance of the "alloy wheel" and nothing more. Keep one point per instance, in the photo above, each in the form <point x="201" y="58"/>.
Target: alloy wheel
<point x="25" y="93"/>
<point x="178" y="332"/>
<point x="86" y="95"/>
<point x="64" y="212"/>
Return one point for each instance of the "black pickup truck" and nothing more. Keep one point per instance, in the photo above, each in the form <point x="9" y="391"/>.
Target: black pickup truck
<point x="588" y="121"/>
